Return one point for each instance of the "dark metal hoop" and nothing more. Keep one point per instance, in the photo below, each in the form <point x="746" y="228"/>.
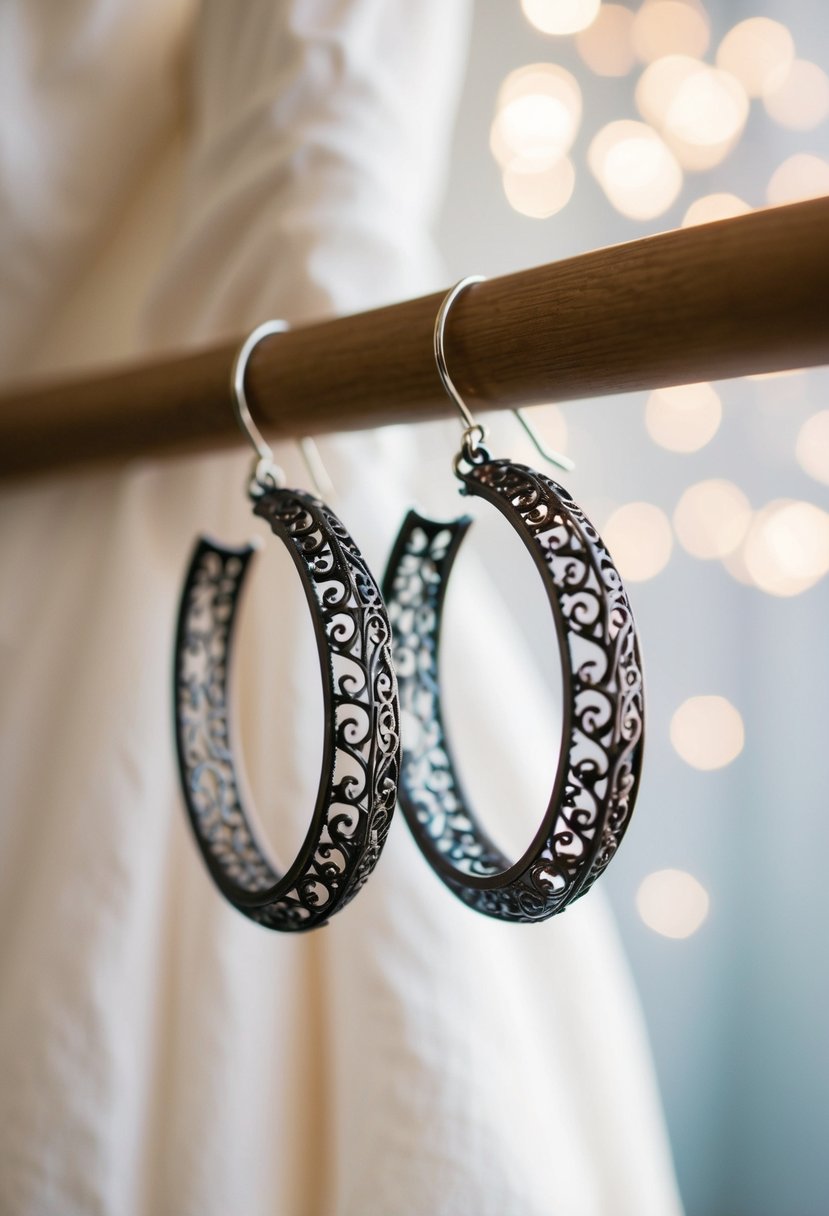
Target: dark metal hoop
<point x="603" y="713"/>
<point x="358" y="783"/>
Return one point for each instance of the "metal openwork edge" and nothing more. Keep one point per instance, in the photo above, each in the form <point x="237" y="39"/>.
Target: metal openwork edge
<point x="358" y="783"/>
<point x="603" y="706"/>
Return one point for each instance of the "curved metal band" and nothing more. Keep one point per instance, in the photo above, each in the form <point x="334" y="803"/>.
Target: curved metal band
<point x="603" y="712"/>
<point x="358" y="783"/>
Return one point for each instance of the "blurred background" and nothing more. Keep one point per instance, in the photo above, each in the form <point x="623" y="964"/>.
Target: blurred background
<point x="584" y="124"/>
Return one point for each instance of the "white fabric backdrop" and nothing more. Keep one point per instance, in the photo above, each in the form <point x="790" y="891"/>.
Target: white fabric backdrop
<point x="172" y="176"/>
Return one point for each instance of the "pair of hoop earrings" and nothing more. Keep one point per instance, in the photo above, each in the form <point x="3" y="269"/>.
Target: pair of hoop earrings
<point x="358" y="629"/>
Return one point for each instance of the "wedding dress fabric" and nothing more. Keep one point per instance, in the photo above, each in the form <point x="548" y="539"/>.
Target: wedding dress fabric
<point x="172" y="174"/>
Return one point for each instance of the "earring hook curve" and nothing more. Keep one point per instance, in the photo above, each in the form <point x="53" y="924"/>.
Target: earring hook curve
<point x="266" y="472"/>
<point x="440" y="348"/>
<point x="472" y="447"/>
<point x="474" y="434"/>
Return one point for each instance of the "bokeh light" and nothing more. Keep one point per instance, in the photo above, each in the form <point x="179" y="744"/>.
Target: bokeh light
<point x="684" y="418"/>
<point x="539" y="193"/>
<point x="700" y="111"/>
<point x="537" y="116"/>
<point x="707" y="732"/>
<point x="712" y="207"/>
<point x="709" y="107"/>
<point x="712" y="518"/>
<point x="670" y="27"/>
<point x="812" y="448"/>
<point x="672" y="902"/>
<point x="736" y="567"/>
<point x="636" y="169"/>
<point x="606" y="46"/>
<point x="799" y="177"/>
<point x="797" y="96"/>
<point x="755" y="50"/>
<point x="657" y="86"/>
<point x="560" y="16"/>
<point x="638" y="536"/>
<point x="786" y="550"/>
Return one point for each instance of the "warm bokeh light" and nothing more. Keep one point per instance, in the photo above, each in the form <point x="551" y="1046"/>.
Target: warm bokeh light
<point x="754" y="50"/>
<point x="812" y="447"/>
<point x="712" y="207"/>
<point x="638" y="536"/>
<point x="672" y="902"/>
<point x="709" y="107"/>
<point x="605" y="46"/>
<point x="684" y="418"/>
<point x="635" y="168"/>
<point x="560" y="16"/>
<point x="670" y="27"/>
<point x="658" y="85"/>
<point x="707" y="732"/>
<point x="699" y="110"/>
<point x="799" y="177"/>
<point x="538" y="112"/>
<point x="539" y="193"/>
<point x="798" y="96"/>
<point x="706" y="118"/>
<point x="712" y="518"/>
<point x="736" y="567"/>
<point x="546" y="78"/>
<point x="786" y="550"/>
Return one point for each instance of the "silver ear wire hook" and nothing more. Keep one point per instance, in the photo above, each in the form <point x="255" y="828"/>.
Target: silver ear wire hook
<point x="472" y="443"/>
<point x="266" y="473"/>
<point x="472" y="446"/>
<point x="440" y="349"/>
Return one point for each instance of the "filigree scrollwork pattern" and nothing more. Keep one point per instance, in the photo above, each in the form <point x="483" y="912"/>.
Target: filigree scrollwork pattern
<point x="358" y="782"/>
<point x="603" y="706"/>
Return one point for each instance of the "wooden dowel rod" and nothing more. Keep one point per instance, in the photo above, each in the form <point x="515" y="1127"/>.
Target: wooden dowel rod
<point x="740" y="296"/>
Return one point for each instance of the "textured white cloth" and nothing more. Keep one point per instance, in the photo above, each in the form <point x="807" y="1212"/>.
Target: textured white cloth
<point x="172" y="175"/>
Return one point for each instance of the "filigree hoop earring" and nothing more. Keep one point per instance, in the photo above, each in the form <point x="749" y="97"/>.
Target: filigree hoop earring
<point x="603" y="707"/>
<point x="358" y="782"/>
